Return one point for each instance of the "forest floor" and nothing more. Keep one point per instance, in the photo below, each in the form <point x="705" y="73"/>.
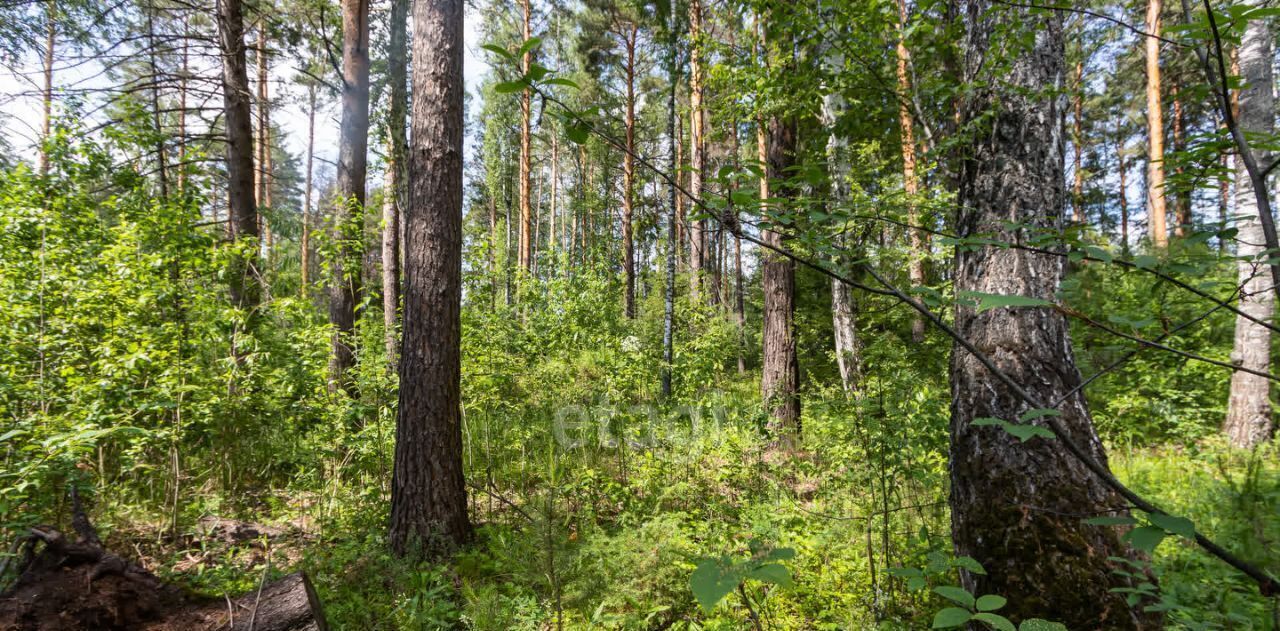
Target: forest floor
<point x="610" y="543"/>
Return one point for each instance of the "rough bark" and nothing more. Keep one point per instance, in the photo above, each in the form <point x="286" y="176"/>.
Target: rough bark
<point x="525" y="254"/>
<point x="697" y="150"/>
<point x="843" y="314"/>
<point x="1017" y="508"/>
<point x="305" y="246"/>
<point x="1248" y="422"/>
<point x="1077" y="145"/>
<point x="910" y="181"/>
<point x="243" y="211"/>
<point x="393" y="183"/>
<point x="288" y="604"/>
<point x="629" y="35"/>
<point x="780" y="380"/>
<point x="1156" y="219"/>
<point x="353" y="144"/>
<point x="264" y="170"/>
<point x="673" y="231"/>
<point x="50" y="47"/>
<point x="428" y="491"/>
<point x="1182" y="202"/>
<point x="1123" y="169"/>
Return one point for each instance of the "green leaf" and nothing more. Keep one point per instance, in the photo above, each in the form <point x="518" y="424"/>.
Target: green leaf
<point x="995" y="621"/>
<point x="1038" y="624"/>
<point x="577" y="133"/>
<point x="528" y="45"/>
<point x="955" y="594"/>
<point x="916" y="583"/>
<point x="951" y="617"/>
<point x="498" y="50"/>
<point x="780" y="554"/>
<point x="1110" y="520"/>
<point x="904" y="571"/>
<point x="1145" y="538"/>
<point x="1145" y="261"/>
<point x="711" y="581"/>
<point x="537" y="72"/>
<point x="1020" y="431"/>
<point x="991" y="602"/>
<point x="561" y="81"/>
<point x="1180" y="526"/>
<point x="971" y="564"/>
<point x="508" y="87"/>
<point x="1098" y="253"/>
<point x="772" y="573"/>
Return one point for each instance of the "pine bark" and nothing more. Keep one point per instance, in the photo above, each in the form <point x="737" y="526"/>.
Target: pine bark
<point x="246" y="291"/>
<point x="1156" y="213"/>
<point x="305" y="246"/>
<point x="910" y="181"/>
<point x="353" y="144"/>
<point x="393" y="182"/>
<point x="50" y="47"/>
<point x="525" y="254"/>
<point x="780" y="380"/>
<point x="1248" y="422"/>
<point x="1123" y="168"/>
<point x="1182" y="203"/>
<point x="428" y="490"/>
<point x="697" y="151"/>
<point x="1017" y="507"/>
<point x="629" y="34"/>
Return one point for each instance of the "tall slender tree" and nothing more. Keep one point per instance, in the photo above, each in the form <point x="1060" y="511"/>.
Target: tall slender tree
<point x="1248" y="422"/>
<point x="1016" y="507"/>
<point x="243" y="211"/>
<point x="525" y="254"/>
<point x="393" y="183"/>
<point x="910" y="179"/>
<point x="353" y="145"/>
<point x="1156" y="213"/>
<point x="697" y="149"/>
<point x="428" y="490"/>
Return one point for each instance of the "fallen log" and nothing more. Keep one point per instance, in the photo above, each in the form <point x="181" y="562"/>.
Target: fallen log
<point x="72" y="585"/>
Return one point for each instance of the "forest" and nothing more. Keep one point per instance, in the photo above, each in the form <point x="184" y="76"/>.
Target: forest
<point x="638" y="314"/>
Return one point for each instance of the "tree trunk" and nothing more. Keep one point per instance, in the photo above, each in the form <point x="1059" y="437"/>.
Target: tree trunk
<point x="1017" y="507"/>
<point x="288" y="604"/>
<point x="50" y="44"/>
<point x="526" y="209"/>
<point x="629" y="176"/>
<point x="780" y="380"/>
<point x="1248" y="422"/>
<point x="843" y="318"/>
<point x="1182" y="203"/>
<point x="428" y="491"/>
<point x="673" y="228"/>
<point x="1155" y="132"/>
<point x="243" y="211"/>
<point x="1123" y="168"/>
<point x="182" y="111"/>
<point x="353" y="144"/>
<point x="264" y="170"/>
<point x="1224" y="198"/>
<point x="697" y="151"/>
<point x="306" y="192"/>
<point x="910" y="181"/>
<point x="1077" y="145"/>
<point x="392" y="190"/>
